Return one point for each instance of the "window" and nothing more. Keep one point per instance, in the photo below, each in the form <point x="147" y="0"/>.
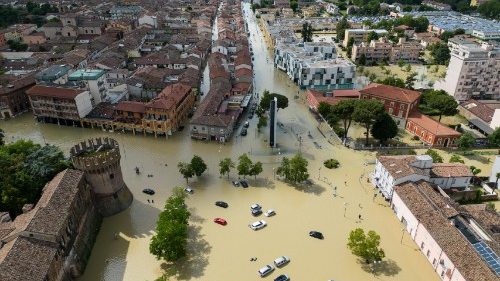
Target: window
<point x="392" y="103"/>
<point x="422" y="245"/>
<point x="111" y="176"/>
<point x="428" y="253"/>
<point x="434" y="262"/>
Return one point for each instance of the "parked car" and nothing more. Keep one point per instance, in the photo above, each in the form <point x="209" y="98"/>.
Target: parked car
<point x="250" y="116"/>
<point x="247" y="124"/>
<point x="148" y="191"/>
<point x="270" y="213"/>
<point x="282" y="277"/>
<point x="316" y="234"/>
<point x="220" y="221"/>
<point x="221" y="204"/>
<point x="266" y="270"/>
<point x="189" y="190"/>
<point x="258" y="225"/>
<point x="255" y="206"/>
<point x="256" y="212"/>
<point x="236" y="183"/>
<point x="244" y="183"/>
<point x="281" y="261"/>
<point x="244" y="132"/>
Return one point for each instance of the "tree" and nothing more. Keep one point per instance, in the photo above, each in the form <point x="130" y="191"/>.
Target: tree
<point x="436" y="158"/>
<point x="362" y="60"/>
<point x="186" y="170"/>
<point x="344" y="110"/>
<point x="294" y="170"/>
<point x="2" y="136"/>
<point x="365" y="246"/>
<point x="494" y="138"/>
<point x="455" y="158"/>
<point x="440" y="53"/>
<point x="442" y="104"/>
<point x="256" y="169"/>
<point x="324" y="109"/>
<point x="490" y="9"/>
<point x="244" y="165"/>
<point x="371" y="36"/>
<point x="475" y="170"/>
<point x="466" y="140"/>
<point x="342" y="25"/>
<point x="225" y="166"/>
<point x="294" y="6"/>
<point x="366" y="112"/>
<point x="262" y="122"/>
<point x="350" y="43"/>
<point x="266" y="98"/>
<point x="384" y="128"/>
<point x="198" y="165"/>
<point x="496" y="181"/>
<point x="410" y="80"/>
<point x="392" y="81"/>
<point x="307" y="32"/>
<point x="169" y="242"/>
<point x="25" y="168"/>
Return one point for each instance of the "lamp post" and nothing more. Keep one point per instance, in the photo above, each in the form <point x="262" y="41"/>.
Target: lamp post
<point x="319" y="173"/>
<point x="274" y="173"/>
<point x="345" y="208"/>
<point x="402" y="234"/>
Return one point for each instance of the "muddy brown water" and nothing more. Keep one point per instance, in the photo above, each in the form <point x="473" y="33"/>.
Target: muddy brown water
<point x="223" y="252"/>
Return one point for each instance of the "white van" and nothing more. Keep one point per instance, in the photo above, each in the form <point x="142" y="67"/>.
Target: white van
<point x="266" y="270"/>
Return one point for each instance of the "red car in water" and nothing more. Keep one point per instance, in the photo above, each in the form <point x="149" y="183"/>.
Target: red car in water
<point x="220" y="221"/>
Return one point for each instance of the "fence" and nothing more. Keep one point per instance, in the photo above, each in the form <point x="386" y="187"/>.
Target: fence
<point x="360" y="146"/>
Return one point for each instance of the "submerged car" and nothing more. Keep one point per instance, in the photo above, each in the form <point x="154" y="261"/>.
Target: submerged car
<point x="257" y="225"/>
<point x="256" y="212"/>
<point x="189" y="190"/>
<point x="244" y="183"/>
<point x="282" y="277"/>
<point x="220" y="221"/>
<point x="148" y="191"/>
<point x="270" y="213"/>
<point x="266" y="270"/>
<point x="316" y="234"/>
<point x="255" y="207"/>
<point x="236" y="183"/>
<point x="221" y="204"/>
<point x="281" y="261"/>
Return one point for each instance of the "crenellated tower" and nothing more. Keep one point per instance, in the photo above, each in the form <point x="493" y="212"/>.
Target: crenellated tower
<point x="99" y="159"/>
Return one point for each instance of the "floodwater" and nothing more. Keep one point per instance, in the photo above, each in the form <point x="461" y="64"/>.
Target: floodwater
<point x="219" y="253"/>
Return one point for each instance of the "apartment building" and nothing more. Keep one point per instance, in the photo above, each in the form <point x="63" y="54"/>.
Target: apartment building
<point x="62" y="106"/>
<point x="13" y="99"/>
<point x="360" y="35"/>
<point x="314" y="65"/>
<point x="473" y="71"/>
<point x="94" y="80"/>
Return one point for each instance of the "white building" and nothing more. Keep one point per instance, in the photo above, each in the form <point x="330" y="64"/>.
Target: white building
<point x="94" y="80"/>
<point x="394" y="170"/>
<point x="314" y="65"/>
<point x="332" y="8"/>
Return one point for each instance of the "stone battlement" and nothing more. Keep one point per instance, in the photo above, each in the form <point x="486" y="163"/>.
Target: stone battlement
<point x="95" y="154"/>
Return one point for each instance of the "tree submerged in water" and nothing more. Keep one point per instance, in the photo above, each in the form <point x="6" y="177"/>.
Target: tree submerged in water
<point x="169" y="242"/>
<point x="365" y="246"/>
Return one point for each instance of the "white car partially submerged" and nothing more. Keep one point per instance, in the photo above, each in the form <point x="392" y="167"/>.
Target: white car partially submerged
<point x="266" y="270"/>
<point x="257" y="225"/>
<point x="270" y="213"/>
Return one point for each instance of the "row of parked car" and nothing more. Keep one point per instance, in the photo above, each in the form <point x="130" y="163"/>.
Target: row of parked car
<point x="278" y="262"/>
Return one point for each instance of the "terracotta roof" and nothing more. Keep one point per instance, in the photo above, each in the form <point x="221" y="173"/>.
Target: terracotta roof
<point x="467" y="261"/>
<point x="431" y="125"/>
<point x="450" y="170"/>
<point x="131" y="106"/>
<point x="54" y="92"/>
<point x="479" y="109"/>
<point x="400" y="166"/>
<point x="390" y="92"/>
<point x="243" y="72"/>
<point x="337" y="96"/>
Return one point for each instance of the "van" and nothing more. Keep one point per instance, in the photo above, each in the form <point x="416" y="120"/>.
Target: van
<point x="281" y="261"/>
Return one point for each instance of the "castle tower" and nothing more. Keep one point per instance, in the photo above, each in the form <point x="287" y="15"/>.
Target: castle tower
<point x="99" y="159"/>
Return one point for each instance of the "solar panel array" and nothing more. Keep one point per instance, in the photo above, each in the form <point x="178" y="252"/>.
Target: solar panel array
<point x="489" y="256"/>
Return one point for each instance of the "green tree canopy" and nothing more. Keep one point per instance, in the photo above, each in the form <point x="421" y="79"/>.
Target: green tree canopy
<point x="392" y="81"/>
<point x="466" y="140"/>
<point x="256" y="169"/>
<point x="307" y="32"/>
<point x="366" y="112"/>
<point x="225" y="166"/>
<point x="372" y="36"/>
<point x="262" y="122"/>
<point x="266" y="98"/>
<point x="198" y="165"/>
<point x="294" y="170"/>
<point x="455" y="158"/>
<point x="2" y="136"/>
<point x="494" y="138"/>
<point x="342" y="25"/>
<point x="324" y="109"/>
<point x="186" y="170"/>
<point x="344" y="110"/>
<point x="436" y="158"/>
<point x="440" y="53"/>
<point x="490" y="9"/>
<point x="410" y="80"/>
<point x="384" y="128"/>
<point x="365" y="246"/>
<point x="244" y="165"/>
<point x="442" y="104"/>
<point x="25" y="168"/>
<point x="169" y="242"/>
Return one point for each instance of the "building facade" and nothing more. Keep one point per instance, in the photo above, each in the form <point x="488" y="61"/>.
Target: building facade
<point x="361" y="35"/>
<point x="380" y="50"/>
<point x="13" y="98"/>
<point x="473" y="72"/>
<point x="430" y="131"/>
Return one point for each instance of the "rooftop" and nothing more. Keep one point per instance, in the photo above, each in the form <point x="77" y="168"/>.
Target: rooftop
<point x="431" y="125"/>
<point x="391" y="92"/>
<point x="86" y="74"/>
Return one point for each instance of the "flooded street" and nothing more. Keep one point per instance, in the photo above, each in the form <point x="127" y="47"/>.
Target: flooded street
<point x="218" y="253"/>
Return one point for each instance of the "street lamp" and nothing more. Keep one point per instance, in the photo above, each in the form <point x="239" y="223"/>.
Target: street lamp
<point x="274" y="173"/>
<point x="319" y="173"/>
<point x="402" y="234"/>
<point x="345" y="208"/>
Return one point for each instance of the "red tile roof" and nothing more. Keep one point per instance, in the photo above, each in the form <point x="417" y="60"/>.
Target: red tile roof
<point x="55" y="92"/>
<point x="481" y="110"/>
<point x="131" y="106"/>
<point x="431" y="125"/>
<point x="450" y="170"/>
<point x="391" y="92"/>
<point x="243" y="72"/>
